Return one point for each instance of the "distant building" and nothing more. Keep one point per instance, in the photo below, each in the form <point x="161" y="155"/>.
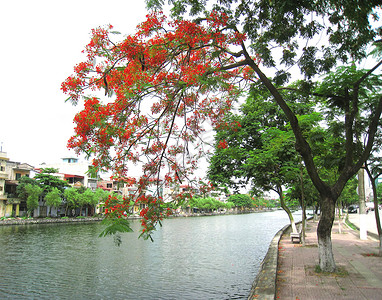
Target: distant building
<point x="10" y="173"/>
<point x="74" y="171"/>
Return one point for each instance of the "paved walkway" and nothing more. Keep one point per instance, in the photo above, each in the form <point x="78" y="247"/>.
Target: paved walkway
<point x="371" y="224"/>
<point x="360" y="276"/>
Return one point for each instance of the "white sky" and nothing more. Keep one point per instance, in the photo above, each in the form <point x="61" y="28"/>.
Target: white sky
<point x="41" y="41"/>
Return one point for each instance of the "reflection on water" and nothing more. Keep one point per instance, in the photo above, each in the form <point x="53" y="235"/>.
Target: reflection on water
<point x="191" y="258"/>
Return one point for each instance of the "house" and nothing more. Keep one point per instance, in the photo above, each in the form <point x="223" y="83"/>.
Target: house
<point x="10" y="173"/>
<point x="124" y="187"/>
<point x="74" y="171"/>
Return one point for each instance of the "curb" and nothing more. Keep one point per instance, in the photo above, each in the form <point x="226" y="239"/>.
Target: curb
<point x="369" y="233"/>
<point x="264" y="286"/>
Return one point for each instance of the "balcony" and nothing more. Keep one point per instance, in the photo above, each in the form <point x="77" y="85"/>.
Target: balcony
<point x="12" y="199"/>
<point x="3" y="175"/>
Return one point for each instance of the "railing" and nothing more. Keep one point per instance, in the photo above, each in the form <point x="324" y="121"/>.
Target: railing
<point x="12" y="198"/>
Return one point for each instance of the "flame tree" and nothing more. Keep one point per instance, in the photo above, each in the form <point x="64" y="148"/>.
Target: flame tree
<point x="171" y="77"/>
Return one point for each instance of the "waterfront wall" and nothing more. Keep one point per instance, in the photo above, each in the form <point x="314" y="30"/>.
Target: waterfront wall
<point x="20" y="221"/>
<point x="264" y="285"/>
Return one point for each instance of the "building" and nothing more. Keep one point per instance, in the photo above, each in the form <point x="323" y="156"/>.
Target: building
<point x="74" y="171"/>
<point x="10" y="173"/>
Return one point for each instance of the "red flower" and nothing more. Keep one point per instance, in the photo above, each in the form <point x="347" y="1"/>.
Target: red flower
<point x="223" y="144"/>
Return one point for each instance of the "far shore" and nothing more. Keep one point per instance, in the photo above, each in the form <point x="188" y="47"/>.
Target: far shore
<point x="52" y="220"/>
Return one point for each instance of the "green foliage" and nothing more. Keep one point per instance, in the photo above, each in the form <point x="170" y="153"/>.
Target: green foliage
<point x="48" y="182"/>
<point x="49" y="170"/>
<point x="21" y="191"/>
<point x="87" y="197"/>
<point x="241" y="200"/>
<point x="101" y="195"/>
<point x="80" y="197"/>
<point x="229" y="205"/>
<point x="260" y="202"/>
<point x="287" y="28"/>
<point x="71" y="196"/>
<point x="53" y="198"/>
<point x="207" y="203"/>
<point x="292" y="202"/>
<point x="33" y="191"/>
<point x="262" y="149"/>
<point x="379" y="192"/>
<point x="114" y="226"/>
<point x="349" y="194"/>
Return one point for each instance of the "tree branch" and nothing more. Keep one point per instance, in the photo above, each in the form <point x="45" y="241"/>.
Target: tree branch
<point x="301" y="144"/>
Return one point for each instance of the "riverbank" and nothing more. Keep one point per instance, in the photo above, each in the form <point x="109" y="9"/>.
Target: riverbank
<point x="359" y="275"/>
<point x="24" y="221"/>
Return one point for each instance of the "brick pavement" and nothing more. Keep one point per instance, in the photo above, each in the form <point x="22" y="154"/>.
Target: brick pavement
<point x="361" y="276"/>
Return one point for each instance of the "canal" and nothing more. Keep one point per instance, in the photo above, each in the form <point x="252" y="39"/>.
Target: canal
<point x="215" y="257"/>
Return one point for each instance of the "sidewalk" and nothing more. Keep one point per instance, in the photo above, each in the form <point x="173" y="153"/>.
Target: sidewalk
<point x="360" y="276"/>
<point x="371" y="224"/>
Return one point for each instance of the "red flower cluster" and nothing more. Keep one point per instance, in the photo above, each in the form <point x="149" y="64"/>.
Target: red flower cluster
<point x="162" y="85"/>
<point x="223" y="144"/>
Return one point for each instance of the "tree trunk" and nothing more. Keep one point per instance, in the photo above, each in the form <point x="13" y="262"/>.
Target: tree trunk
<point x="303" y="221"/>
<point x="377" y="218"/>
<point x="315" y="213"/>
<point x="286" y="209"/>
<point x="362" y="205"/>
<point x="376" y="209"/>
<point x="339" y="206"/>
<point x="378" y="221"/>
<point x="324" y="231"/>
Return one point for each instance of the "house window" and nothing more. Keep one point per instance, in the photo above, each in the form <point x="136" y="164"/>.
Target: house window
<point x="109" y="185"/>
<point x="18" y="176"/>
<point x="2" y="168"/>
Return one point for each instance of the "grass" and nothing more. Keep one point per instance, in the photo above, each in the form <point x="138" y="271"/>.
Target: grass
<point x="340" y="271"/>
<point x="351" y="225"/>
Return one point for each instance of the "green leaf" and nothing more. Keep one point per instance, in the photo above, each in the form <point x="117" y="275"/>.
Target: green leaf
<point x="115" y="226"/>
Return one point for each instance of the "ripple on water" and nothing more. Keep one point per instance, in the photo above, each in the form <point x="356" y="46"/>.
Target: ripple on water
<point x="190" y="258"/>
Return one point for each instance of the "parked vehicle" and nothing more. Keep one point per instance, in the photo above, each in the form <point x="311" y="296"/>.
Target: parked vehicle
<point x="352" y="209"/>
<point x="369" y="206"/>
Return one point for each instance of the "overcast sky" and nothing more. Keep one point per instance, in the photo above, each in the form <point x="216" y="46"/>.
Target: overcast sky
<point x="41" y="41"/>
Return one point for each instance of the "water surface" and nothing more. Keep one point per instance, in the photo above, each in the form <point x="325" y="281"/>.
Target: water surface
<point x="214" y="257"/>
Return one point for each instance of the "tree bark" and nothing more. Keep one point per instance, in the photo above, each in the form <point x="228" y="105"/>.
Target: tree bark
<point x="286" y="209"/>
<point x="324" y="231"/>
<point x="362" y="205"/>
<point x="376" y="209"/>
<point x="378" y="221"/>
<point x="303" y="221"/>
<point x="339" y="207"/>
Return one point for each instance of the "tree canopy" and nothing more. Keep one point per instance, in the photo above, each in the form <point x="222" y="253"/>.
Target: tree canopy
<point x="171" y="77"/>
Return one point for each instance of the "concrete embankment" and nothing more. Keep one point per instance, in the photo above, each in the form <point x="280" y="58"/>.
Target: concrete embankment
<point x="264" y="285"/>
<point x="21" y="221"/>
